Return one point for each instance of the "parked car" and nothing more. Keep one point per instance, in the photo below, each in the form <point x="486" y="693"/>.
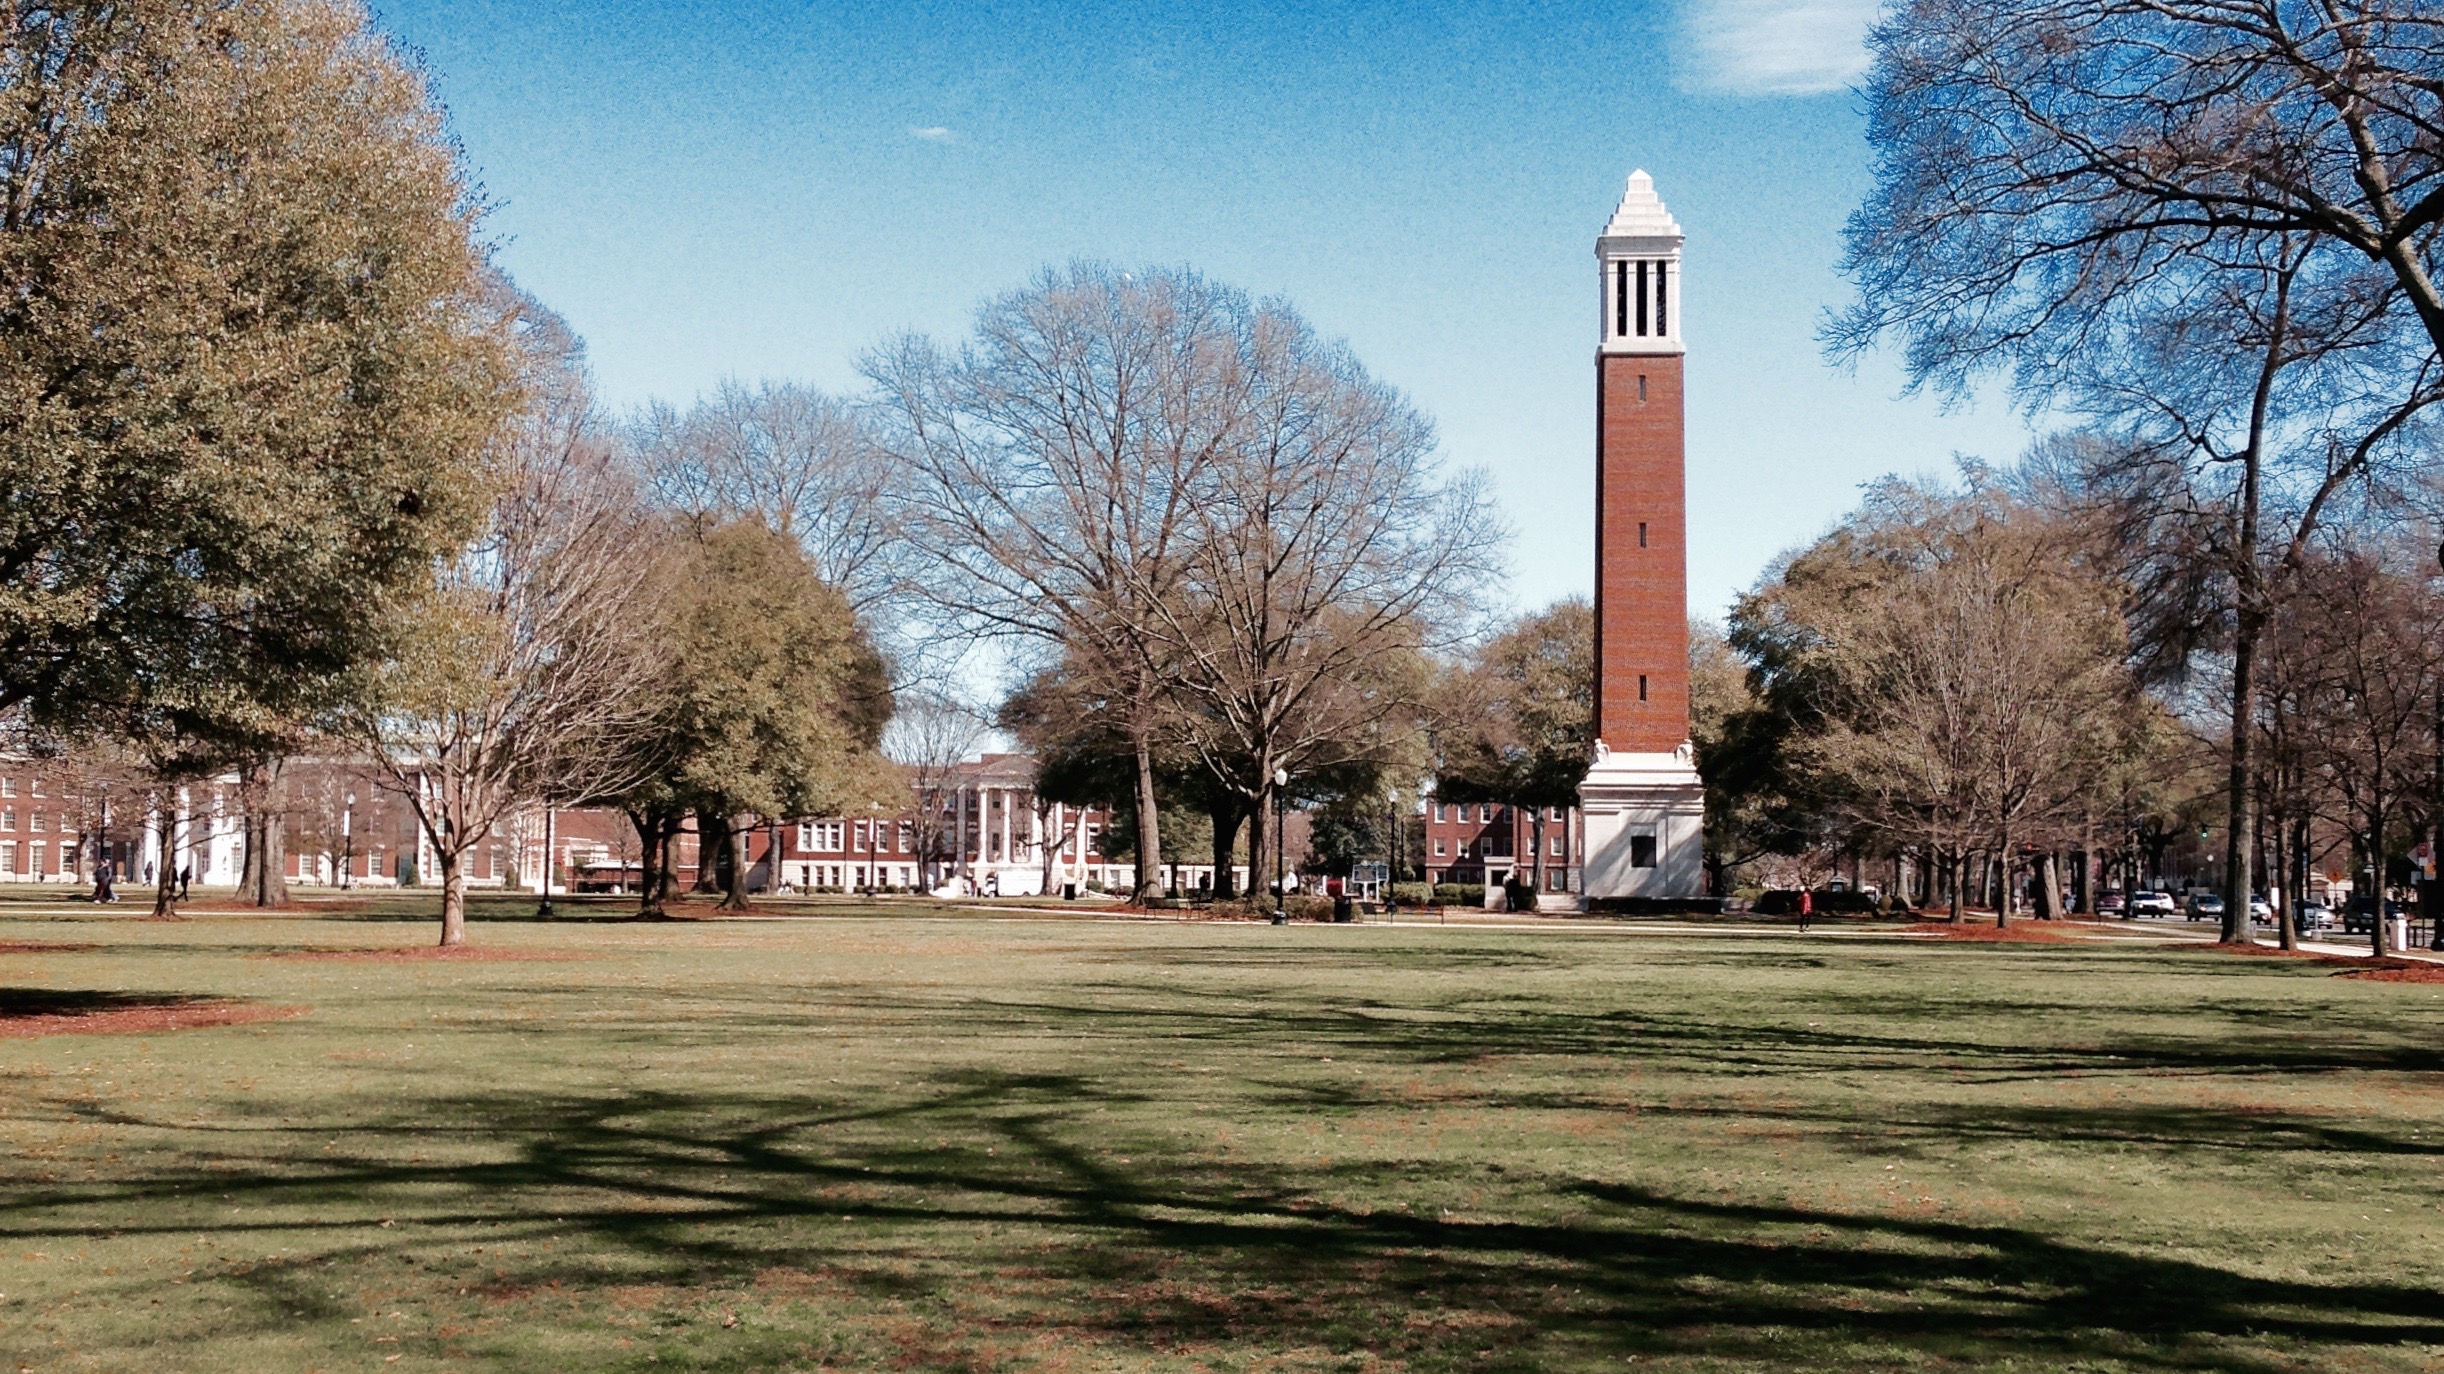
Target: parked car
<point x="2151" y="904"/>
<point x="2357" y="918"/>
<point x="2311" y="916"/>
<point x="2110" y="903"/>
<point x="2261" y="910"/>
<point x="2205" y="905"/>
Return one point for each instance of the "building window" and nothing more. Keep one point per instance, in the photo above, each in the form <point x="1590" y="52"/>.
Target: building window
<point x="907" y="838"/>
<point x="1641" y="851"/>
<point x="8" y="818"/>
<point x="1438" y="811"/>
<point x="1442" y="847"/>
<point x="1642" y="534"/>
<point x="1641" y="298"/>
<point x="38" y="822"/>
<point x="828" y="838"/>
<point x="37" y="785"/>
<point x="806" y="835"/>
<point x="1661" y="277"/>
<point x="1641" y="686"/>
<point x="34" y="858"/>
<point x="8" y="787"/>
<point x="1620" y="297"/>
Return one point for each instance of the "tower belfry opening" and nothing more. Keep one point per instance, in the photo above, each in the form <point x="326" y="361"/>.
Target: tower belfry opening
<point x="1642" y="798"/>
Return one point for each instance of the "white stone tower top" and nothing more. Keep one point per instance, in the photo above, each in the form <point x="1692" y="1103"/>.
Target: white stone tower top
<point x="1638" y="264"/>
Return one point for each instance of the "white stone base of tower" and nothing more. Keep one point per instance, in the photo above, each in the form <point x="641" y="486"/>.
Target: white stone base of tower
<point x="1646" y="820"/>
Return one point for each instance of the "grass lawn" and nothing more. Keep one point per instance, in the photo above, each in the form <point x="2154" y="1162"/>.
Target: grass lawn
<point x="899" y="1138"/>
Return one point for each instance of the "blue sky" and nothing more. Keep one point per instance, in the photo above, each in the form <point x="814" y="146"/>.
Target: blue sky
<point x="760" y="189"/>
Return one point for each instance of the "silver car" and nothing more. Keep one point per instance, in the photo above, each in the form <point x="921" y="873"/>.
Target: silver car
<point x="2152" y="904"/>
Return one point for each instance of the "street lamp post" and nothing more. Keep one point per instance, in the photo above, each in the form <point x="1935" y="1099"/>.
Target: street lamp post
<point x="1281" y="887"/>
<point x="544" y="908"/>
<point x="347" y="842"/>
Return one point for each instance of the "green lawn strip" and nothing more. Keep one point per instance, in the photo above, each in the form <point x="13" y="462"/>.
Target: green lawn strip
<point x="927" y="1140"/>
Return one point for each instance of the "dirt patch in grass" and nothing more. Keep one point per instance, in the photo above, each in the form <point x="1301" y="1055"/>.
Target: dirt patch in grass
<point x="29" y="1012"/>
<point x="417" y="954"/>
<point x="41" y="947"/>
<point x="2017" y="934"/>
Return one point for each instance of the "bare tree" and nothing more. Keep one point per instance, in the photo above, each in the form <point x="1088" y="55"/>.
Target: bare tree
<point x="2212" y="226"/>
<point x="1963" y="675"/>
<point x="1055" y="466"/>
<point x="785" y="453"/>
<point x="2374" y="632"/>
<point x="929" y="738"/>
<point x="1327" y="551"/>
<point x="527" y="669"/>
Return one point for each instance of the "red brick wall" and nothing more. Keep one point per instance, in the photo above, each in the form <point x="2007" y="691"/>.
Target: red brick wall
<point x="1641" y="594"/>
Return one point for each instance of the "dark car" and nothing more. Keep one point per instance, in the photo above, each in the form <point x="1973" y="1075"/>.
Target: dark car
<point x="2358" y="917"/>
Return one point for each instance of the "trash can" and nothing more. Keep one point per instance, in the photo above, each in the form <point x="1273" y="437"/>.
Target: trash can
<point x="2401" y="933"/>
<point x="1069" y="892"/>
<point x="1341" y="910"/>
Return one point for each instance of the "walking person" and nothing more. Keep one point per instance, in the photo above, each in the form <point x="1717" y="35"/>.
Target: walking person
<point x="102" y="874"/>
<point x="186" y="874"/>
<point x="1807" y="908"/>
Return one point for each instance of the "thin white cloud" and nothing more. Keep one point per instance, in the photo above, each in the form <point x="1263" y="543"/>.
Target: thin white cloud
<point x="931" y="133"/>
<point x="1779" y="47"/>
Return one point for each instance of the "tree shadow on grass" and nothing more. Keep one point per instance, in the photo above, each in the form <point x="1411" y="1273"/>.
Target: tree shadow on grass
<point x="905" y="1207"/>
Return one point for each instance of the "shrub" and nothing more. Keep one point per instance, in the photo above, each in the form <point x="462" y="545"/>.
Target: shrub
<point x="1460" y="894"/>
<point x="1412" y="894"/>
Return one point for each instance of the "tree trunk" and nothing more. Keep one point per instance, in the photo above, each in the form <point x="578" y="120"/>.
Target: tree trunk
<point x="1149" y="884"/>
<point x="1260" y="843"/>
<point x="250" y="851"/>
<point x="650" y="858"/>
<point x="271" y="872"/>
<point x="2380" y="940"/>
<point x="165" y="873"/>
<point x="2431" y="892"/>
<point x="453" y="896"/>
<point x="2241" y="817"/>
<point x="2002" y="876"/>
<point x="1226" y="821"/>
<point x="734" y="877"/>
<point x="1960" y="879"/>
<point x="2049" y="888"/>
<point x="709" y="856"/>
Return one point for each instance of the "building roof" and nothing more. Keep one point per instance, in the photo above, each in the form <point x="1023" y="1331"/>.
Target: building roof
<point x="998" y="770"/>
<point x="1641" y="214"/>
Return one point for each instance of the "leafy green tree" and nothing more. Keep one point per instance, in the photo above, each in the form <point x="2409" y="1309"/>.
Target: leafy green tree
<point x="776" y="702"/>
<point x="250" y="359"/>
<point x="1517" y="722"/>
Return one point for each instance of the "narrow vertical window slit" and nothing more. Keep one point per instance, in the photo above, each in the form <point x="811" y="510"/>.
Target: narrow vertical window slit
<point x="1641" y="298"/>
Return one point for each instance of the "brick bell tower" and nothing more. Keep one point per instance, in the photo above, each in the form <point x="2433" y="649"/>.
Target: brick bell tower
<point x="1644" y="804"/>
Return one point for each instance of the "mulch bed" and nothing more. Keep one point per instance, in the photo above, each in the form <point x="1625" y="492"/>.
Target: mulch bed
<point x="417" y="954"/>
<point x="2396" y="971"/>
<point x="24" y="1015"/>
<point x="2386" y="970"/>
<point x="2019" y="932"/>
